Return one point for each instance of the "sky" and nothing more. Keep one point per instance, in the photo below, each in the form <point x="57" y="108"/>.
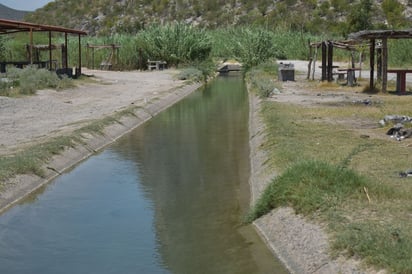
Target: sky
<point x="28" y="5"/>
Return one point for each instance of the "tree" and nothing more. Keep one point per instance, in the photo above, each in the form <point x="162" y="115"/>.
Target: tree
<point x="360" y="16"/>
<point x="393" y="11"/>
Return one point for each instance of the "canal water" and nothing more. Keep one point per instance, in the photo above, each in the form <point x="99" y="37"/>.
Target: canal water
<point x="167" y="198"/>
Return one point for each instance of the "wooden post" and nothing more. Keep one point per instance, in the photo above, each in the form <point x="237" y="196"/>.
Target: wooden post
<point x="384" y="64"/>
<point x="371" y="62"/>
<point x="31" y="47"/>
<point x="324" y="63"/>
<point x="314" y="63"/>
<point x="379" y="63"/>
<point x="65" y="61"/>
<point x="50" y="51"/>
<point x="360" y="63"/>
<point x="330" y="61"/>
<point x="80" y="57"/>
<point x="310" y="60"/>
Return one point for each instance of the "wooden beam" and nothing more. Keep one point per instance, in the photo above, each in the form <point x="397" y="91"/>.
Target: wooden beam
<point x="371" y="62"/>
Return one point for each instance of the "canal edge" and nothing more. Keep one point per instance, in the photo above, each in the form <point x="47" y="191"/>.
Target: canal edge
<point x="21" y="186"/>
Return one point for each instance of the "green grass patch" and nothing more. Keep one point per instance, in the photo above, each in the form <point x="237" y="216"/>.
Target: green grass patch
<point x="310" y="186"/>
<point x="383" y="245"/>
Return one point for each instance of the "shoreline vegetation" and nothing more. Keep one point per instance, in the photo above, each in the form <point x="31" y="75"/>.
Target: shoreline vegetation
<point x="336" y="170"/>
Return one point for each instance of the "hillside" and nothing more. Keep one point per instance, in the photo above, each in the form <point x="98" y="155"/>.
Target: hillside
<point x="11" y="14"/>
<point x="328" y="16"/>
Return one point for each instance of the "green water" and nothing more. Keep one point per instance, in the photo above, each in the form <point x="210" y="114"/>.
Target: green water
<point x="167" y="198"/>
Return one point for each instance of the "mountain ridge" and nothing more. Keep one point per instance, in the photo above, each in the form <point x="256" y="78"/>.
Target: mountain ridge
<point x="339" y="17"/>
<point x="12" y="14"/>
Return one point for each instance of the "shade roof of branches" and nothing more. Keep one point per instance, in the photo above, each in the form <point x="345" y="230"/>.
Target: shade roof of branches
<point x="380" y="34"/>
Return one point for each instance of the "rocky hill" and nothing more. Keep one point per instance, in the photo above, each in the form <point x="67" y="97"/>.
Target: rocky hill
<point x="326" y="16"/>
<point x="11" y="14"/>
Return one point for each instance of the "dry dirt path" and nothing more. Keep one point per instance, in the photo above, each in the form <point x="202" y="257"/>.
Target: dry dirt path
<point x="49" y="113"/>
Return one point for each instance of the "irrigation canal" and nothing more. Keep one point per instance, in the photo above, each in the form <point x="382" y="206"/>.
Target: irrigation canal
<point x="167" y="198"/>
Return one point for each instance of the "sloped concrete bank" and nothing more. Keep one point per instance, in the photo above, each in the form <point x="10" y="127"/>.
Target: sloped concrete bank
<point x="21" y="186"/>
<point x="300" y="244"/>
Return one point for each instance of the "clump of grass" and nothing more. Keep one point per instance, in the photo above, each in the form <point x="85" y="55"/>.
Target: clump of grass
<point x="30" y="160"/>
<point x="64" y="83"/>
<point x="191" y="74"/>
<point x="309" y="186"/>
<point x="382" y="245"/>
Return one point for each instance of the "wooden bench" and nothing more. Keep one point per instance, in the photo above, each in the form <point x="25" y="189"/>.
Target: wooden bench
<point x="156" y="65"/>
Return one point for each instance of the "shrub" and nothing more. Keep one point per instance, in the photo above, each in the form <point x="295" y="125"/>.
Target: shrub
<point x="190" y="74"/>
<point x="29" y="79"/>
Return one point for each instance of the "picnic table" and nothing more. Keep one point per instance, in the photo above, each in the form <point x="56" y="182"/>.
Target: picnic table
<point x="400" y="78"/>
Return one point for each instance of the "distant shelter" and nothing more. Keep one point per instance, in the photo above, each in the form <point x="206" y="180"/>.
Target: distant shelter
<point x="11" y="26"/>
<point x="377" y="43"/>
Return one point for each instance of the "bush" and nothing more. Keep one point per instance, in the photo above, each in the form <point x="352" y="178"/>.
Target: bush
<point x="29" y="79"/>
<point x="190" y="74"/>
